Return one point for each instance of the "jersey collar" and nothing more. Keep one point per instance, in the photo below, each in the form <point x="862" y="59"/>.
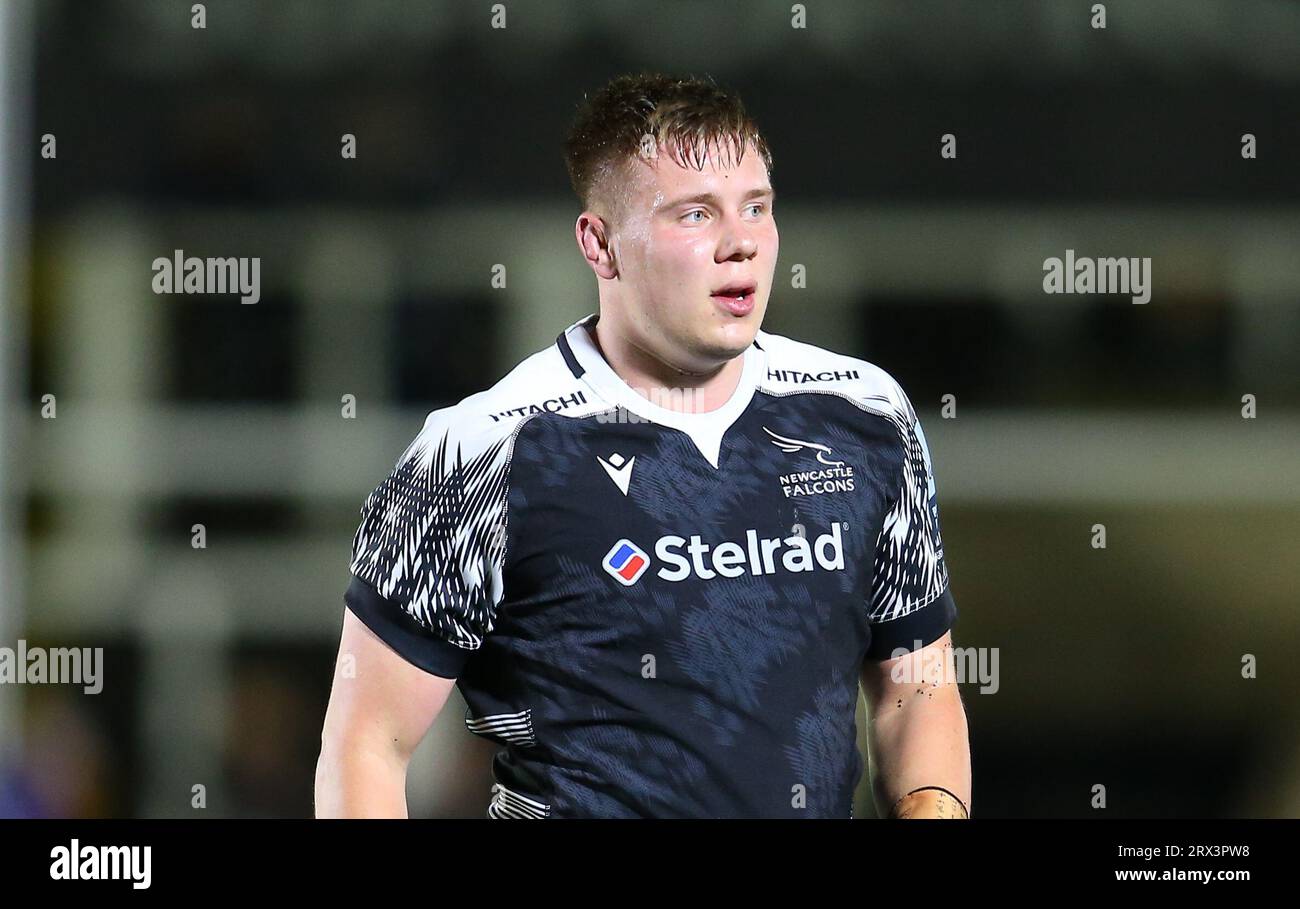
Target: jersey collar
<point x="705" y="429"/>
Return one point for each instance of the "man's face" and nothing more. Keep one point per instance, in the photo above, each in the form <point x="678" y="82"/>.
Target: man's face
<point x="689" y="242"/>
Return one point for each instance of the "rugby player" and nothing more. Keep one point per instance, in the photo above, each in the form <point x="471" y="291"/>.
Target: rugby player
<point x="660" y="555"/>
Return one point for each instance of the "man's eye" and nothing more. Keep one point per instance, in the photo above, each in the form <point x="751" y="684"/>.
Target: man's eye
<point x="697" y="211"/>
<point x="758" y="205"/>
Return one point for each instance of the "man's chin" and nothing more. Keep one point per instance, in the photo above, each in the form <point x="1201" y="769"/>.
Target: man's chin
<point x="720" y="350"/>
<point x="731" y="339"/>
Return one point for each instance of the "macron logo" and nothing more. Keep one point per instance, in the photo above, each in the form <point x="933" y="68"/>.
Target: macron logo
<point x="619" y="470"/>
<point x="626" y="562"/>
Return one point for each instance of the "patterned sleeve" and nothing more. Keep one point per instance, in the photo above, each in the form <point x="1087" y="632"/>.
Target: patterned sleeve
<point x="426" y="559"/>
<point x="910" y="600"/>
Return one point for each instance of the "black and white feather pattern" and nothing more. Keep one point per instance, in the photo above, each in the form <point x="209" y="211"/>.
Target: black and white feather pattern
<point x="909" y="568"/>
<point x="432" y="535"/>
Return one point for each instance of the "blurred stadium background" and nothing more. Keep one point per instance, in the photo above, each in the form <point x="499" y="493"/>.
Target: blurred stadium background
<point x="1119" y="666"/>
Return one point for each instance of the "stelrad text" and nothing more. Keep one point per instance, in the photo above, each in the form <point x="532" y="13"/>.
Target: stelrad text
<point x="685" y="558"/>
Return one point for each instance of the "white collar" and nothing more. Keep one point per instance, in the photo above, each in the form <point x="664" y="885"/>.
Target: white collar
<point x="705" y="429"/>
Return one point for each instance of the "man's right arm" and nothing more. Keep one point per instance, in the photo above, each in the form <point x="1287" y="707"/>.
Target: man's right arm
<point x="380" y="708"/>
<point x="426" y="566"/>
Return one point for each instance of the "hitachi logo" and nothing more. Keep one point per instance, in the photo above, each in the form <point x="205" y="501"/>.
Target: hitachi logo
<point x="758" y="556"/>
<point x="550" y="405"/>
<point x="797" y="377"/>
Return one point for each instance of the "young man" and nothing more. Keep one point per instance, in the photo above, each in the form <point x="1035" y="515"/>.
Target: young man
<point x="659" y="556"/>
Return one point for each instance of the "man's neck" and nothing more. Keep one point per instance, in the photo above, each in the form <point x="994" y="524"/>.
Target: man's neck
<point x="662" y="384"/>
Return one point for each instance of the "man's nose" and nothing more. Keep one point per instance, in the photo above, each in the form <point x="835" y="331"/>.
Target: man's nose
<point x="739" y="243"/>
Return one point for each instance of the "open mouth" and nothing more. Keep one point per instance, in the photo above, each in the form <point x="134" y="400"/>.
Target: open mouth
<point x="738" y="298"/>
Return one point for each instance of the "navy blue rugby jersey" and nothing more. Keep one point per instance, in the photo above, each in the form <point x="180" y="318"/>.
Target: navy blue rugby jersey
<point x="659" y="613"/>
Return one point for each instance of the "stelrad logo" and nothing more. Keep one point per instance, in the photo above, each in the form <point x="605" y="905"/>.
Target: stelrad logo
<point x="687" y="557"/>
<point x="625" y="562"/>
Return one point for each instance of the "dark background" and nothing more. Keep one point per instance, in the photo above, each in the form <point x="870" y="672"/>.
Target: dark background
<point x="1119" y="667"/>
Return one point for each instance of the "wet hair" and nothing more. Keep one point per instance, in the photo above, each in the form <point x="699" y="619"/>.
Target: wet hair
<point x="685" y="116"/>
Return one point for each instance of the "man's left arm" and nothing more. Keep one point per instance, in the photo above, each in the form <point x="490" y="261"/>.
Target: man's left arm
<point x="917" y="734"/>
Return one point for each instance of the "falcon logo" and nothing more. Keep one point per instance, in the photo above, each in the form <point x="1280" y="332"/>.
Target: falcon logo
<point x="626" y="562"/>
<point x="788" y="444"/>
<point x="836" y="476"/>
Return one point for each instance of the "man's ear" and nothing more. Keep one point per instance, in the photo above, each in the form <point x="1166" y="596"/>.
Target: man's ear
<point x="594" y="240"/>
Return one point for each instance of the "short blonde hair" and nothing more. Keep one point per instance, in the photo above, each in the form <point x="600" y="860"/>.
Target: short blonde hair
<point x="687" y="116"/>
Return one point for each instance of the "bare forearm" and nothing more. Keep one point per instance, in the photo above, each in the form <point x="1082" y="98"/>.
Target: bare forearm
<point x="924" y="742"/>
<point x="356" y="782"/>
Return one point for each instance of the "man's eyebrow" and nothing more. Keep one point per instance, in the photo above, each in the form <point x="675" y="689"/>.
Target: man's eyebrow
<point x="711" y="199"/>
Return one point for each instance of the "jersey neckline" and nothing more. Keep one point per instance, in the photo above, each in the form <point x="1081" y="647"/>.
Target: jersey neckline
<point x="705" y="429"/>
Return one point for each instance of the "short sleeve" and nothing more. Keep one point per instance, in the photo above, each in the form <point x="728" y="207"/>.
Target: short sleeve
<point x="427" y="556"/>
<point x="911" y="601"/>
